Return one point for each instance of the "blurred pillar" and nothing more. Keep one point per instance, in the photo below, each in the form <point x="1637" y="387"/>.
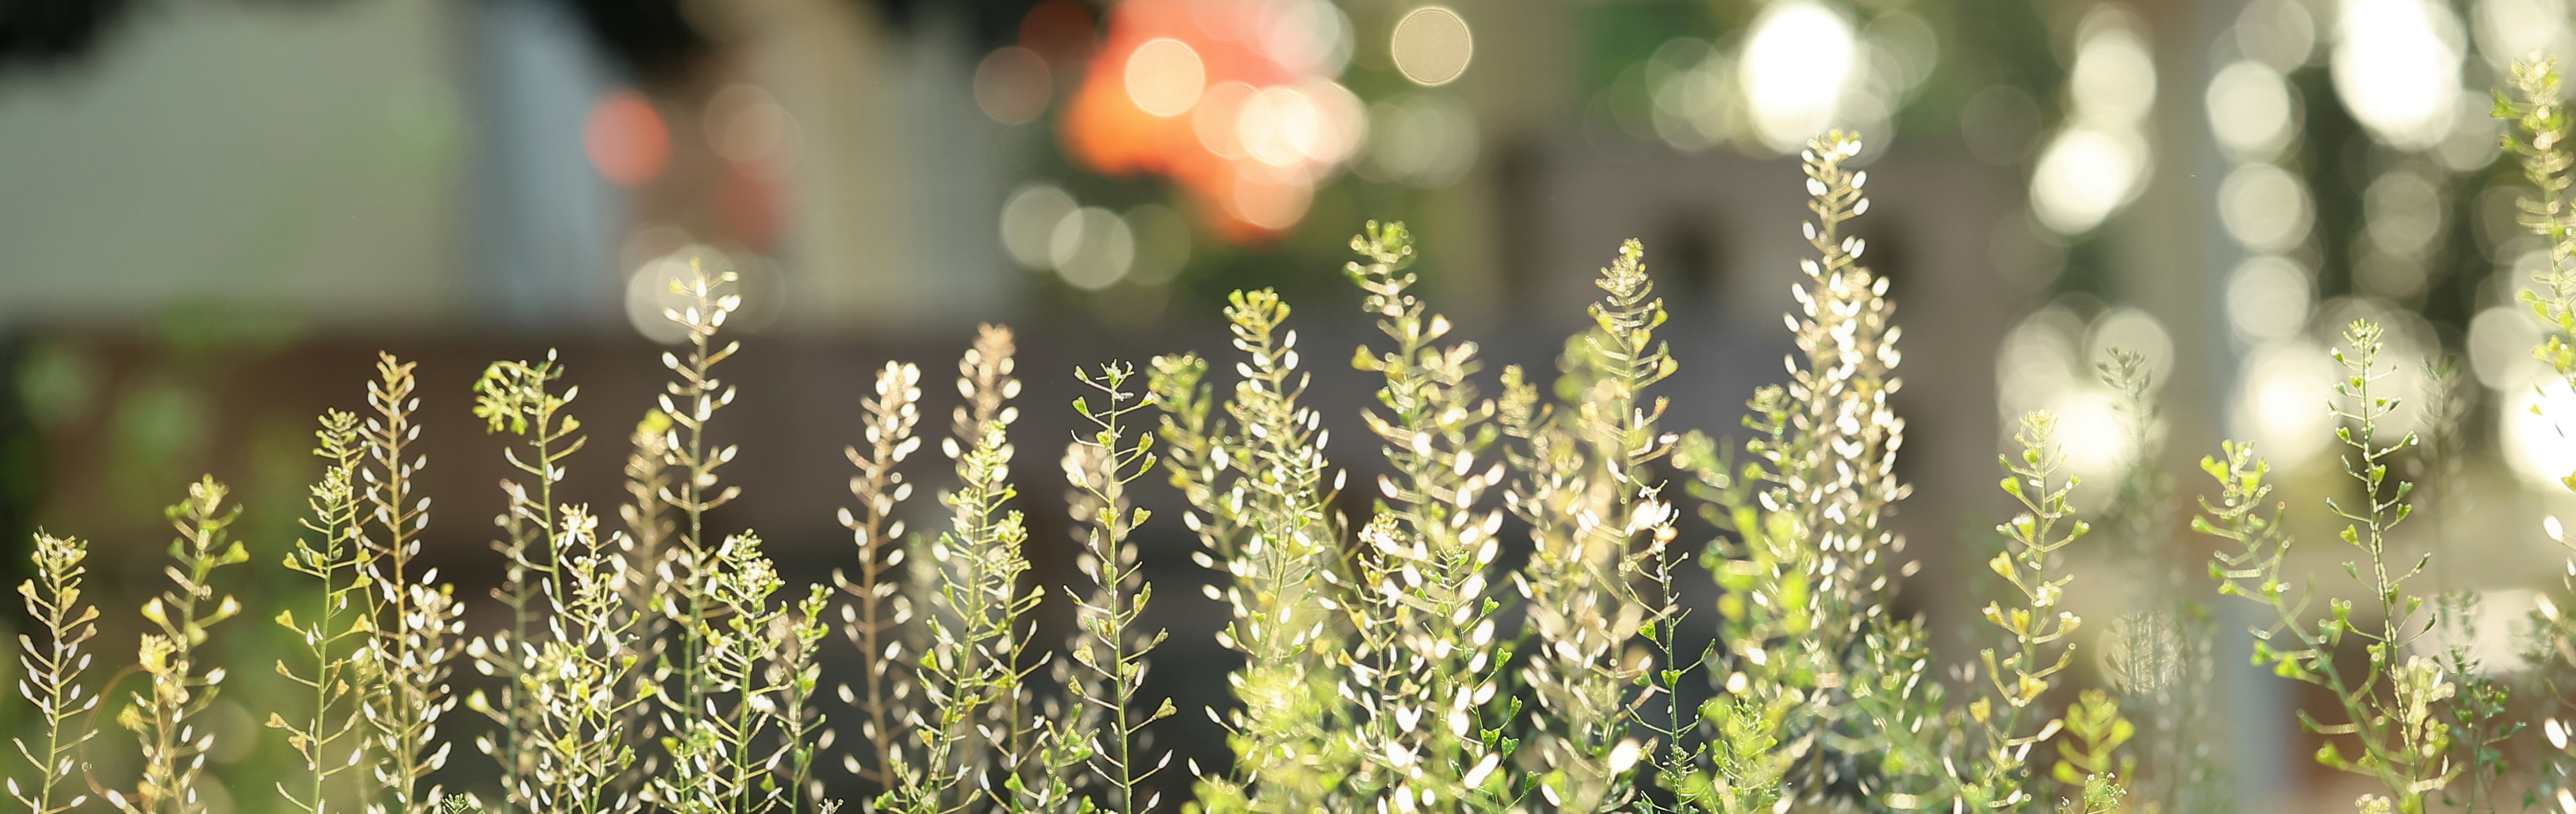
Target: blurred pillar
<point x="541" y="221"/>
<point x="2179" y="257"/>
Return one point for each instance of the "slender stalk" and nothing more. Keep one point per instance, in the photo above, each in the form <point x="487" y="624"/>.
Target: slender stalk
<point x="584" y="679"/>
<point x="416" y="618"/>
<point x="2035" y="629"/>
<point x="1425" y="616"/>
<point x="332" y="673"/>
<point x="163" y="717"/>
<point x="1110" y="647"/>
<point x="2402" y="740"/>
<point x="1261" y="503"/>
<point x="690" y="403"/>
<point x="970" y="671"/>
<point x="53" y="671"/>
<point x="1594" y="515"/>
<point x="646" y="548"/>
<point x="879" y="613"/>
<point x="516" y="396"/>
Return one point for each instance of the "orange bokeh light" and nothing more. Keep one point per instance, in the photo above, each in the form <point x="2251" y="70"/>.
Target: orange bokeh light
<point x="1106" y="131"/>
<point x="626" y="139"/>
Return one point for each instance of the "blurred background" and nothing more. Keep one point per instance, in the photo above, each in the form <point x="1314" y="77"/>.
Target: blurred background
<point x="214" y="212"/>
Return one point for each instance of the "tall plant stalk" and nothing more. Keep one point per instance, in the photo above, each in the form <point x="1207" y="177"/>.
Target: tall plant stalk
<point x="725" y="760"/>
<point x="416" y="618"/>
<point x="646" y="579"/>
<point x="2538" y="117"/>
<point x="165" y="715"/>
<point x="1256" y="480"/>
<point x="2010" y="715"/>
<point x="880" y="613"/>
<point x="519" y="397"/>
<point x="1818" y="674"/>
<point x="1426" y="629"/>
<point x="583" y="679"/>
<point x="1595" y="514"/>
<point x="1111" y="648"/>
<point x="336" y="627"/>
<point x="53" y="671"/>
<point x="690" y="403"/>
<point x="971" y="667"/>
<point x="2389" y="707"/>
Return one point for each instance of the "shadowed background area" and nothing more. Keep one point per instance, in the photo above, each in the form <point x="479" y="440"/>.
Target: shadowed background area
<point x="214" y="213"/>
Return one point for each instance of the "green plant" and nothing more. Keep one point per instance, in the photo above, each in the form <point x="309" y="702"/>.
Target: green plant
<point x="519" y="397"/>
<point x="2091" y="765"/>
<point x="758" y="676"/>
<point x="645" y="581"/>
<point x="1586" y="494"/>
<point x="878" y="619"/>
<point x="1256" y="480"/>
<point x="2477" y="714"/>
<point x="415" y="617"/>
<point x="688" y="404"/>
<point x="1819" y="684"/>
<point x="1426" y="638"/>
<point x="581" y="681"/>
<point x="163" y="716"/>
<point x="337" y="628"/>
<point x="1110" y="645"/>
<point x="737" y="706"/>
<point x="2403" y="743"/>
<point x="972" y="665"/>
<point x="2008" y="718"/>
<point x="2159" y="650"/>
<point x="53" y="672"/>
<point x="2538" y="116"/>
<point x="1397" y="659"/>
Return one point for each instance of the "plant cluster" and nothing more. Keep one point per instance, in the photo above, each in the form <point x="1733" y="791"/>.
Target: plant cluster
<point x="1520" y="622"/>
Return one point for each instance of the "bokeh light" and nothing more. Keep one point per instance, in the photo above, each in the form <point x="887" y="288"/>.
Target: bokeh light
<point x="1013" y="85"/>
<point x="2280" y="404"/>
<point x="2512" y="29"/>
<point x="1162" y="238"/>
<point x="2278" y="33"/>
<point x="1795" y="67"/>
<point x="1164" y="77"/>
<point x="747" y="126"/>
<point x="2535" y="426"/>
<point x="2114" y="78"/>
<point x="1235" y="100"/>
<point x="2093" y="434"/>
<point x="1269" y="204"/>
<point x="625" y="139"/>
<point x="2264" y="207"/>
<point x="1029" y="218"/>
<point x="2085" y="175"/>
<point x="1218" y="118"/>
<point x="1306" y="37"/>
<point x="2397" y="68"/>
<point x="1425" y="139"/>
<point x="2039" y="362"/>
<point x="1092" y="248"/>
<point x="2099" y="162"/>
<point x="1693" y="97"/>
<point x="2403" y="213"/>
<point x="2490" y="635"/>
<point x="2252" y="110"/>
<point x="2500" y="343"/>
<point x="2269" y="297"/>
<point x="1432" y="46"/>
